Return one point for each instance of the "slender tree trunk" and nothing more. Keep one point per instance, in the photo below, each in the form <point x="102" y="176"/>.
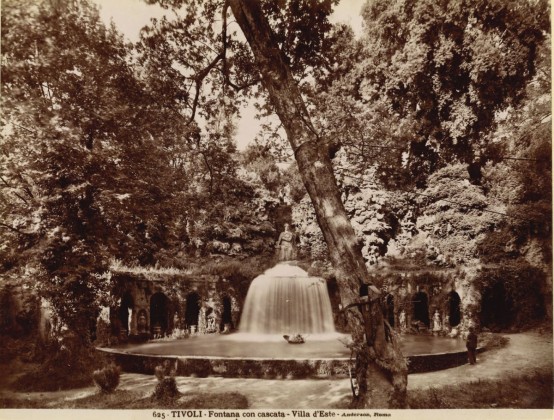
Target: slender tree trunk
<point x="380" y="368"/>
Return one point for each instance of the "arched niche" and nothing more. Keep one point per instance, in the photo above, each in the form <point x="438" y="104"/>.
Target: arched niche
<point x="421" y="308"/>
<point x="192" y="309"/>
<point x="496" y="311"/>
<point x="454" y="309"/>
<point x="226" y="313"/>
<point x="159" y="314"/>
<point x="389" y="309"/>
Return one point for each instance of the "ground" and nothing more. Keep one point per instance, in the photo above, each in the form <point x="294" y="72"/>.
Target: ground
<point x="526" y="354"/>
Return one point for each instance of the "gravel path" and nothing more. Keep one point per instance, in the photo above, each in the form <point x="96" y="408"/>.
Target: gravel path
<point x="524" y="354"/>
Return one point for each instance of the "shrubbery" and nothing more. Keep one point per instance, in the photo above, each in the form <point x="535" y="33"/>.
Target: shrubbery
<point x="166" y="389"/>
<point x="107" y="379"/>
<point x="512" y="296"/>
<point x="68" y="363"/>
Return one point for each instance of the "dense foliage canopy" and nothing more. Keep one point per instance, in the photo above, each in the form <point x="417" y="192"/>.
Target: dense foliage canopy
<point x="437" y="120"/>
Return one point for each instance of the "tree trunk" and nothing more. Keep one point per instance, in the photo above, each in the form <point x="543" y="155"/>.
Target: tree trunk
<point x="380" y="368"/>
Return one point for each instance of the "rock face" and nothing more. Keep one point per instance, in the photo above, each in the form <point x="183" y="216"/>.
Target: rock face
<point x="393" y="224"/>
<point x="245" y="227"/>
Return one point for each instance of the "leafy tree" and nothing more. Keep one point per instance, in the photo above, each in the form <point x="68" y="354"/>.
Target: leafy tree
<point x="456" y="216"/>
<point x="88" y="168"/>
<point x="97" y="163"/>
<point x="428" y="81"/>
<point x="523" y="183"/>
<point x="260" y="160"/>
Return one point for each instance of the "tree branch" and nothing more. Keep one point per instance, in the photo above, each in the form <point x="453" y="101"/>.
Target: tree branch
<point x="25" y="128"/>
<point x="225" y="69"/>
<point x="199" y="78"/>
<point x="14" y="229"/>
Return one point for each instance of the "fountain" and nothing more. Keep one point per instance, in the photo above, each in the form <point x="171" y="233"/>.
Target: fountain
<point x="285" y="300"/>
<point x="282" y="301"/>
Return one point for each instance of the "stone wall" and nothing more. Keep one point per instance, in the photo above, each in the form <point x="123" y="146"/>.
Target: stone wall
<point x="426" y="301"/>
<point x="150" y="307"/>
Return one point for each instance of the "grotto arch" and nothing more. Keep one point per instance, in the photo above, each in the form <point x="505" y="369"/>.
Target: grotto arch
<point x="192" y="309"/>
<point x="454" y="309"/>
<point x="226" y="313"/>
<point x="159" y="314"/>
<point x="421" y="308"/>
<point x="495" y="309"/>
<point x="389" y="309"/>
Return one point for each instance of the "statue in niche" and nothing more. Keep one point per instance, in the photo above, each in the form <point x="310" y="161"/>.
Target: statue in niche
<point x="235" y="312"/>
<point x="142" y="324"/>
<point x="102" y="327"/>
<point x="129" y="319"/>
<point x="211" y="328"/>
<point x="202" y="325"/>
<point x="286" y="245"/>
<point x="436" y="322"/>
<point x="176" y="321"/>
<point x="446" y="323"/>
<point x="402" y="320"/>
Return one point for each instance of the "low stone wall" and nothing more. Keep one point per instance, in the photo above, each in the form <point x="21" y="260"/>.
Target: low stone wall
<point x="234" y="368"/>
<point x="438" y="361"/>
<point x="271" y="368"/>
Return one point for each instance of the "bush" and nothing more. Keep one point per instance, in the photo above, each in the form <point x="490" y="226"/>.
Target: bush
<point x="107" y="379"/>
<point x="12" y="348"/>
<point x="67" y="364"/>
<point x="166" y="389"/>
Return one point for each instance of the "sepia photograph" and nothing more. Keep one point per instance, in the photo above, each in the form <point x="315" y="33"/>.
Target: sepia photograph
<point x="276" y="208"/>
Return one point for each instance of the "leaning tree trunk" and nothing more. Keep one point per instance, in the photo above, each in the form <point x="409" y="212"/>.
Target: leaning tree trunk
<point x="380" y="368"/>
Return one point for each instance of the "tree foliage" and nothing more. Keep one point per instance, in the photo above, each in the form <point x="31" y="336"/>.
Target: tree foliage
<point x="427" y="82"/>
<point x="102" y="158"/>
<point x="523" y="183"/>
<point x="88" y="167"/>
<point x="436" y="87"/>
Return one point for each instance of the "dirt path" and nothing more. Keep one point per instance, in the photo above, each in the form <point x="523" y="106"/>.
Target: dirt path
<point x="525" y="353"/>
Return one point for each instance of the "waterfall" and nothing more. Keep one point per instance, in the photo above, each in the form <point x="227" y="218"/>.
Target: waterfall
<point x="285" y="300"/>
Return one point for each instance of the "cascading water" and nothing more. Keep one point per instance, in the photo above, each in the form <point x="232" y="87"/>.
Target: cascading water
<point x="285" y="300"/>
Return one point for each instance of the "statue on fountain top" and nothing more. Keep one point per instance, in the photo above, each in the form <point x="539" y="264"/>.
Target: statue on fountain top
<point x="286" y="245"/>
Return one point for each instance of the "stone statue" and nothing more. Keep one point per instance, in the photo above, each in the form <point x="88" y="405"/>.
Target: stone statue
<point x="176" y="321"/>
<point x="142" y="324"/>
<point x="211" y="324"/>
<point x="202" y="321"/>
<point x="129" y="319"/>
<point x="104" y="314"/>
<point x="103" y="327"/>
<point x="402" y="320"/>
<point x="436" y="322"/>
<point x="446" y="323"/>
<point x="286" y="245"/>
